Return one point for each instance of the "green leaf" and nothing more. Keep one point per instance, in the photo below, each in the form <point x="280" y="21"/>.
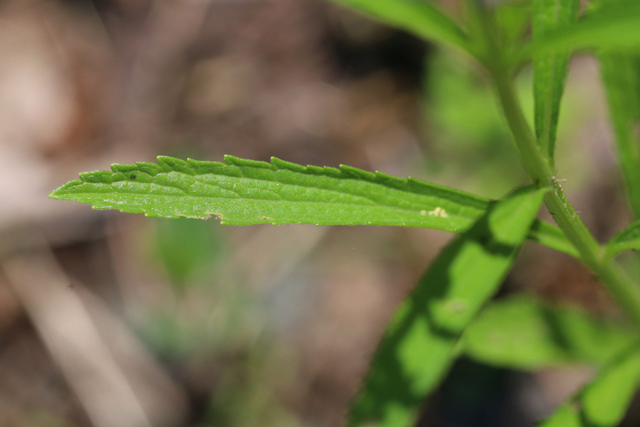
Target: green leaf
<point x="551" y="236"/>
<point x="420" y="17"/>
<point x="550" y="70"/>
<point x="242" y="192"/>
<point x="621" y="77"/>
<point x="512" y="18"/>
<point x="629" y="238"/>
<point x="604" y="401"/>
<point x="419" y="343"/>
<point x="615" y="26"/>
<point x="525" y="333"/>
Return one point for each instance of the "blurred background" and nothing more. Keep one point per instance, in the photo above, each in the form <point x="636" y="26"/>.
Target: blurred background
<point x="116" y="320"/>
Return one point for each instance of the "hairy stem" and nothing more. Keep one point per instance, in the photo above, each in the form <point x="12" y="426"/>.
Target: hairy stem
<point x="624" y="291"/>
<point x="539" y="168"/>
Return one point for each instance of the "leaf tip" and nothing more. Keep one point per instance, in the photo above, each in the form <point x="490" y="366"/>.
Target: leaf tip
<point x="54" y="195"/>
<point x="61" y="192"/>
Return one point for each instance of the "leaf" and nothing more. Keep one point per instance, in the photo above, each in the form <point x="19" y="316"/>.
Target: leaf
<point x="525" y="333"/>
<point x="242" y="192"/>
<point x="419" y="17"/>
<point x="604" y="401"/>
<point x="550" y="70"/>
<point x="621" y="76"/>
<point x="629" y="238"/>
<point x="419" y="344"/>
<point x="513" y="19"/>
<point x="615" y="26"/>
<point x="551" y="236"/>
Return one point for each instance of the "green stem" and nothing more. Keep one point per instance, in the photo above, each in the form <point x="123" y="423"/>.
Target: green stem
<point x="624" y="291"/>
<point x="534" y="162"/>
<point x="537" y="165"/>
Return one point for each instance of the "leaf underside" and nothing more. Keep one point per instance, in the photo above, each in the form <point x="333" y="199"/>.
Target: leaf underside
<point x="525" y="333"/>
<point x="243" y="192"/>
<point x="627" y="239"/>
<point x="604" y="401"/>
<point x="419" y="344"/>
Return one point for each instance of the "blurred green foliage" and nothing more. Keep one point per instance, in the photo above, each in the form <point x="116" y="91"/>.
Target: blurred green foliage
<point x="187" y="249"/>
<point x="466" y="133"/>
<point x="217" y="326"/>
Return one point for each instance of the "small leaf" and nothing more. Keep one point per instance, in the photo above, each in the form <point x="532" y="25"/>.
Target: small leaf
<point x="621" y="76"/>
<point x="512" y="18"/>
<point x="420" y="17"/>
<point x="525" y="333"/>
<point x="615" y="26"/>
<point x="629" y="238"/>
<point x="419" y="344"/>
<point x="550" y="70"/>
<point x="551" y="236"/>
<point x="604" y="401"/>
<point x="242" y="192"/>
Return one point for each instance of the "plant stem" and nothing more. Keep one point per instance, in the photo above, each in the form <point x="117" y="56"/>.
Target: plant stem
<point x="534" y="162"/>
<point x="539" y="168"/>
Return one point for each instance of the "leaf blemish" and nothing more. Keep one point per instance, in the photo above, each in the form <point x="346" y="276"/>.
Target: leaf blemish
<point x="457" y="306"/>
<point x="437" y="212"/>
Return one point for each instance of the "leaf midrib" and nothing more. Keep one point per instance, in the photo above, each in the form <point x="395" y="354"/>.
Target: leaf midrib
<point x="242" y="198"/>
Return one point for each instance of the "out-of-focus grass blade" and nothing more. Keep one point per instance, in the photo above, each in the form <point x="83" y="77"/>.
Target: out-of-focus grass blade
<point x="525" y="333"/>
<point x="604" y="401"/>
<point x="420" y="17"/>
<point x="629" y="238"/>
<point x="418" y="345"/>
<point x="243" y="192"/>
<point x="550" y="70"/>
<point x="621" y="77"/>
<point x="615" y="26"/>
